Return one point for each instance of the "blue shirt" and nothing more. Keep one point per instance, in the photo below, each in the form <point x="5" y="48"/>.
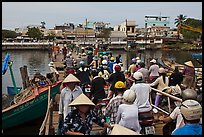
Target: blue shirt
<point x="110" y="65"/>
<point x="189" y="129"/>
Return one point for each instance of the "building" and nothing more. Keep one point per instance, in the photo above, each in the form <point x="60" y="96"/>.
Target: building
<point x="128" y="27"/>
<point x="156" y="21"/>
<point x="99" y="26"/>
<point x="157" y="26"/>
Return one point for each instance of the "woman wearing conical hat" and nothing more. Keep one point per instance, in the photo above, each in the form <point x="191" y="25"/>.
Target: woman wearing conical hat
<point x="80" y="120"/>
<point x="189" y="75"/>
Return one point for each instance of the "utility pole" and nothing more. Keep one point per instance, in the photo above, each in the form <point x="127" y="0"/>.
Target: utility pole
<point x="127" y="42"/>
<point x="85" y="33"/>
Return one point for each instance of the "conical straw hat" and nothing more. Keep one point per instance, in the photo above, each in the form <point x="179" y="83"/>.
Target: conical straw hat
<point x="82" y="99"/>
<point x="120" y="130"/>
<point x="71" y="78"/>
<point x="189" y="63"/>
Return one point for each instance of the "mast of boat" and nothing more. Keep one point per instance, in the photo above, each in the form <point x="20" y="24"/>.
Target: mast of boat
<point x="10" y="63"/>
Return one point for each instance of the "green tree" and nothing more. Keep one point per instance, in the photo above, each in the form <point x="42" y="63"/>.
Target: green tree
<point x="51" y="36"/>
<point x="178" y="21"/>
<point x="9" y="34"/>
<point x="105" y="33"/>
<point x="34" y="33"/>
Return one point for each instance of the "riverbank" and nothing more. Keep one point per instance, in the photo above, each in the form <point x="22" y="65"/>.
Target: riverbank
<point x="181" y="46"/>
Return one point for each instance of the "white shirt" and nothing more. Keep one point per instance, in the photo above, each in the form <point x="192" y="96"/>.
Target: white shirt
<point x="66" y="99"/>
<point x="161" y="85"/>
<point x="142" y="91"/>
<point x="127" y="116"/>
<point x="176" y="115"/>
<point x="53" y="70"/>
<point x="154" y="70"/>
<point x="145" y="72"/>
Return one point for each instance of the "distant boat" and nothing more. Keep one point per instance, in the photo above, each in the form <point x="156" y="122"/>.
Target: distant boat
<point x="33" y="107"/>
<point x="197" y="55"/>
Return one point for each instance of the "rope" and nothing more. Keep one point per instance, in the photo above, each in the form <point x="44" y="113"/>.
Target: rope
<point x="23" y="95"/>
<point x="29" y="91"/>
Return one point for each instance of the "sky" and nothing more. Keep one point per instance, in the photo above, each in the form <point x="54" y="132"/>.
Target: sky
<point x="21" y="14"/>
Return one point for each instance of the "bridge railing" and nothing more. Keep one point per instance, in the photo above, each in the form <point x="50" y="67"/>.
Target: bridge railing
<point x="169" y="96"/>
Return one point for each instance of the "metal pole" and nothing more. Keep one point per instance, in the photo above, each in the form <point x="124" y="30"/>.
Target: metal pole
<point x="168" y="95"/>
<point x="127" y="42"/>
<point x="12" y="77"/>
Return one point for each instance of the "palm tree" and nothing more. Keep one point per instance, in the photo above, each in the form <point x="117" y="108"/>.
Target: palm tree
<point x="178" y="21"/>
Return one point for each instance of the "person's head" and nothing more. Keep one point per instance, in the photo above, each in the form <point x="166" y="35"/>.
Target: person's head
<point x="189" y="64"/>
<point x="51" y="64"/>
<point x="134" y="60"/>
<point x="71" y="81"/>
<point x="89" y="52"/>
<point x="112" y="59"/>
<point x="82" y="63"/>
<point x="189" y="94"/>
<point x="153" y="61"/>
<point x="129" y="96"/>
<point x="96" y="58"/>
<point x="79" y="55"/>
<point x="117" y="60"/>
<point x="191" y="111"/>
<point x="120" y="86"/>
<point x="176" y="70"/>
<point x="94" y="72"/>
<point x="162" y="71"/>
<point x="104" y="64"/>
<point x="117" y="68"/>
<point x="104" y="53"/>
<point x="82" y="103"/>
<point x="142" y="64"/>
<point x="138" y="76"/>
<point x="138" y="62"/>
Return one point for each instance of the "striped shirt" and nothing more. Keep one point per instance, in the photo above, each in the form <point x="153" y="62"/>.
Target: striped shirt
<point x="112" y="107"/>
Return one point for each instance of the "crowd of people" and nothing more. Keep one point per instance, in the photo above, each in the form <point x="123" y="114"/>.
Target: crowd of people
<point x="129" y="93"/>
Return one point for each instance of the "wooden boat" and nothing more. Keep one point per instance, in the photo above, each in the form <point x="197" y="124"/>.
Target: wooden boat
<point x="31" y="108"/>
<point x="170" y="64"/>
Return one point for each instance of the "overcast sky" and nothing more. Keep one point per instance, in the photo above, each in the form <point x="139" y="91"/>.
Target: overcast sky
<point x="21" y="14"/>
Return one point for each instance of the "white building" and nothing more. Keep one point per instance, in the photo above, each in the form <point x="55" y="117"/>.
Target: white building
<point x="129" y="27"/>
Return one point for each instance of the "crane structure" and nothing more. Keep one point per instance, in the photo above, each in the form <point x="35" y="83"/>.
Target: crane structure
<point x="186" y="27"/>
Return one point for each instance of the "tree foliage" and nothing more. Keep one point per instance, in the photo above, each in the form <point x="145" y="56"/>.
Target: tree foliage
<point x="188" y="34"/>
<point x="9" y="34"/>
<point x="34" y="33"/>
<point x="51" y="36"/>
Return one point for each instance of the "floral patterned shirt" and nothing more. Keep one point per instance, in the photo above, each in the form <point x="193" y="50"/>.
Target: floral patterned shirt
<point x="74" y="123"/>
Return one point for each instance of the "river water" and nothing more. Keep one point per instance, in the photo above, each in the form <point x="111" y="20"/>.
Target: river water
<point x="38" y="60"/>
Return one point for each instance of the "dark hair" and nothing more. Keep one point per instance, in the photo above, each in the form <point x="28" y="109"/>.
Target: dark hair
<point x="163" y="76"/>
<point x="120" y="89"/>
<point x="142" y="64"/>
<point x="176" y="69"/>
<point x="117" y="60"/>
<point x="94" y="73"/>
